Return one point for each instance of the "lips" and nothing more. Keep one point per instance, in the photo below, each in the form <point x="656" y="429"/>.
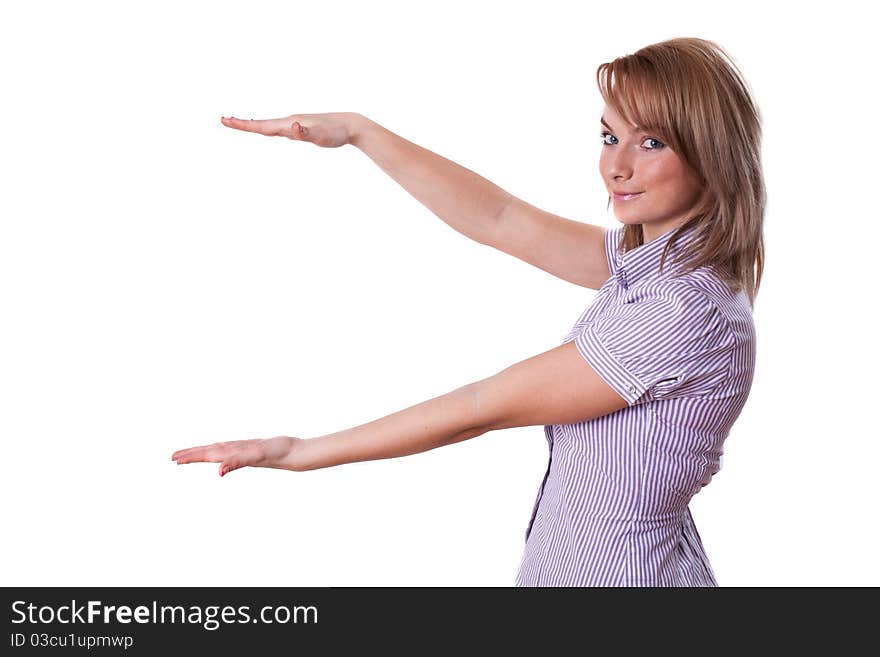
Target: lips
<point x="625" y="196"/>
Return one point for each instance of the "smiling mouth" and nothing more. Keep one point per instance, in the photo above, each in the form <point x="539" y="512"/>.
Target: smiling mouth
<point x="626" y="197"/>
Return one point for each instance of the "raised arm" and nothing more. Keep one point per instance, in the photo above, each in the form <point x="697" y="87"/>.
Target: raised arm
<point x="477" y="208"/>
<point x="555" y="387"/>
<point x="472" y="205"/>
<point x="463" y="199"/>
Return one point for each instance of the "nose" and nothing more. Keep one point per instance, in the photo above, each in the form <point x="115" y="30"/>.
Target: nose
<point x="617" y="165"/>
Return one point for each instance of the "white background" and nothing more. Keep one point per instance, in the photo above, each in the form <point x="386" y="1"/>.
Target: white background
<point x="169" y="282"/>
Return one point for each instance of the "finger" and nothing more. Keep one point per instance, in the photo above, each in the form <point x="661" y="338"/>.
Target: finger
<point x="248" y="125"/>
<point x="213" y="452"/>
<point x="184" y="452"/>
<point x="228" y="466"/>
<point x="248" y="452"/>
<point x="201" y="455"/>
<point x="189" y="450"/>
<point x="263" y="127"/>
<point x="239" y="459"/>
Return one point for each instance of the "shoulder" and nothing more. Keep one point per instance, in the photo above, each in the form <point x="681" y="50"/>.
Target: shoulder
<point x="666" y="294"/>
<point x="704" y="288"/>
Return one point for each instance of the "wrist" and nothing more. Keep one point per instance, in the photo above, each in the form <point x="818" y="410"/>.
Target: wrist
<point x="301" y="455"/>
<point x="283" y="453"/>
<point x="358" y="124"/>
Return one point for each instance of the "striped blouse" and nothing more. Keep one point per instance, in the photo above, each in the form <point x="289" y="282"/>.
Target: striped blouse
<point x="612" y="509"/>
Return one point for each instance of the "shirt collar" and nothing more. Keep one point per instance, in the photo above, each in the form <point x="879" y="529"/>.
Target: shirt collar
<point x="644" y="261"/>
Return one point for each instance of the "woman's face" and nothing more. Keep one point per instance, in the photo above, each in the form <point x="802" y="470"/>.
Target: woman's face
<point x="636" y="161"/>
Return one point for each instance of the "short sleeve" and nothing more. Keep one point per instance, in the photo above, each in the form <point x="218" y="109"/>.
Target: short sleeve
<point x="612" y="240"/>
<point x="672" y="341"/>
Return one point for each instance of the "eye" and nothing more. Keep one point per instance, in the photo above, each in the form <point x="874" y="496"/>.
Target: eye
<point x="603" y="135"/>
<point x="658" y="144"/>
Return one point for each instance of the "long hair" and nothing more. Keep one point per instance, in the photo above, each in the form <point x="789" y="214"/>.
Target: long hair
<point x="692" y="95"/>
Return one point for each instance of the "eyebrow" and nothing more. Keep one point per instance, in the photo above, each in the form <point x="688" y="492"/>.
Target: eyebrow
<point x="638" y="127"/>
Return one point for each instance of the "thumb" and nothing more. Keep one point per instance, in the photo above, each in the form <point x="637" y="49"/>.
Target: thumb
<point x="228" y="466"/>
<point x="299" y="130"/>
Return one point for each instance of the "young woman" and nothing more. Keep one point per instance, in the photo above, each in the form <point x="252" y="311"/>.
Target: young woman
<point x="637" y="400"/>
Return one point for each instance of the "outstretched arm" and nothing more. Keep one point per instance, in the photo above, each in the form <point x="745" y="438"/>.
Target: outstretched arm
<point x="440" y="421"/>
<point x="555" y="387"/>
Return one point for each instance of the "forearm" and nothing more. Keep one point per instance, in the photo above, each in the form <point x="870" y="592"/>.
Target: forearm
<point x="463" y="199"/>
<point x="434" y="423"/>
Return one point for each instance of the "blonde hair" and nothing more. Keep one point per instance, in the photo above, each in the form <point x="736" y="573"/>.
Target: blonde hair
<point x="691" y="94"/>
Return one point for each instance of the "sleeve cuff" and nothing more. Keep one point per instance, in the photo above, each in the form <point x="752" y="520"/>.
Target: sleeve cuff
<point x="609" y="367"/>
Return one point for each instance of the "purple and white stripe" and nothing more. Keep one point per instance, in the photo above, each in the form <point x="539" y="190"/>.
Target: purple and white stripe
<point x="613" y="507"/>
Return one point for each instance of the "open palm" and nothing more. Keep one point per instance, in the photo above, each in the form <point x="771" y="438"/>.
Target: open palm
<point x="328" y="130"/>
<point x="274" y="452"/>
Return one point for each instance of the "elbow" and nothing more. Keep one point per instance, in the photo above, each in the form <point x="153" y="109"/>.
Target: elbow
<point x="488" y="413"/>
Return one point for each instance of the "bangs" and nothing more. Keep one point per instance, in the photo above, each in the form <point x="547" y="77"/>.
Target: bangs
<point x="632" y="88"/>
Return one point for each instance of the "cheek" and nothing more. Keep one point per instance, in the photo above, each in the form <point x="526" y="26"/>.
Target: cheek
<point x="657" y="173"/>
<point x="603" y="161"/>
<point x="666" y="176"/>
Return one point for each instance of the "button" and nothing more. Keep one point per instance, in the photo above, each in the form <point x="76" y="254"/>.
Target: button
<point x="632" y="389"/>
